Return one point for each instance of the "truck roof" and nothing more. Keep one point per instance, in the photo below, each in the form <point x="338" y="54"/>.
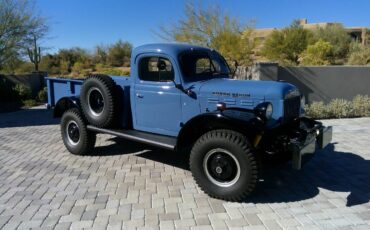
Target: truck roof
<point x="172" y="49"/>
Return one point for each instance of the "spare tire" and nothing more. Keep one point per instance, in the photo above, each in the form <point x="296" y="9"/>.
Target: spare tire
<point x="99" y="100"/>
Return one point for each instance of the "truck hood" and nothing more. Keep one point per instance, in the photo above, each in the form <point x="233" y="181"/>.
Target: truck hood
<point x="230" y="88"/>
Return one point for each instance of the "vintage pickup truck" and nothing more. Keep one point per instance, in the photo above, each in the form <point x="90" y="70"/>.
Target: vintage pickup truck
<point x="181" y="97"/>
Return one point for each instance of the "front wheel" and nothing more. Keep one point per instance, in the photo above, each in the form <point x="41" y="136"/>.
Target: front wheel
<point x="223" y="165"/>
<point x="77" y="139"/>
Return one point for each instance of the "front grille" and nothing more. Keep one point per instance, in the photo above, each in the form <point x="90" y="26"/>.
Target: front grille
<point x="292" y="108"/>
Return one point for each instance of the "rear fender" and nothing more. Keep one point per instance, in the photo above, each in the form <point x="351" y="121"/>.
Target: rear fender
<point x="64" y="104"/>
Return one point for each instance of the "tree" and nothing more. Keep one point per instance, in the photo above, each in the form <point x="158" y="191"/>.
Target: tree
<point x="68" y="57"/>
<point x="236" y="47"/>
<point x="119" y="54"/>
<point x="337" y="36"/>
<point x="214" y="29"/>
<point x="317" y="54"/>
<point x="100" y="55"/>
<point x="18" y="25"/>
<point x="287" y="44"/>
<point x="50" y="63"/>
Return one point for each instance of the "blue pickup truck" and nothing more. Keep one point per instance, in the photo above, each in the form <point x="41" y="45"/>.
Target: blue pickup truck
<point x="181" y="97"/>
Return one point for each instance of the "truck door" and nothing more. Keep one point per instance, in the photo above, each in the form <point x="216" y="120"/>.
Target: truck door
<point x="157" y="100"/>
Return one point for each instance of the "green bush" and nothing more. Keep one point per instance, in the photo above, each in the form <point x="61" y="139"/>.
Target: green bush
<point x="24" y="68"/>
<point x="113" y="71"/>
<point x="316" y="110"/>
<point x="23" y="92"/>
<point x="340" y="108"/>
<point x="29" y="102"/>
<point x="42" y="96"/>
<point x="359" y="55"/>
<point x="361" y="106"/>
<point x="317" y="54"/>
<point x="125" y="73"/>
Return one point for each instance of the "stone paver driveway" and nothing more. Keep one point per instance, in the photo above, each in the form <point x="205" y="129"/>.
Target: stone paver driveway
<point x="125" y="185"/>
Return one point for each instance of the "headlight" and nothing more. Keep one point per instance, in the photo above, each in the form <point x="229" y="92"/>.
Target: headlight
<point x="292" y="93"/>
<point x="264" y="110"/>
<point x="303" y="105"/>
<point x="303" y="101"/>
<point x="268" y="114"/>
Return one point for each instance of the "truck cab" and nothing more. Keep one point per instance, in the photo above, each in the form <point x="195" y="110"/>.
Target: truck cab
<point x="178" y="82"/>
<point x="183" y="98"/>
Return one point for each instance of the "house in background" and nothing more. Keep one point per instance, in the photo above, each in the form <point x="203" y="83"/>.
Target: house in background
<point x="360" y="34"/>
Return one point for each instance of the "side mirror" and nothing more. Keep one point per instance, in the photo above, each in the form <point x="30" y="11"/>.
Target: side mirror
<point x="188" y="92"/>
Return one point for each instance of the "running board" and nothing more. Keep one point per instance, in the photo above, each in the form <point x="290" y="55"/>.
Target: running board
<point x="161" y="141"/>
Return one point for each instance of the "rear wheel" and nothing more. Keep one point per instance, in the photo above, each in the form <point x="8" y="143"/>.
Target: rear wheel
<point x="223" y="165"/>
<point x="77" y="139"/>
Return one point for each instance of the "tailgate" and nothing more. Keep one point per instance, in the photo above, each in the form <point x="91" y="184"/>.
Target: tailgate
<point x="62" y="87"/>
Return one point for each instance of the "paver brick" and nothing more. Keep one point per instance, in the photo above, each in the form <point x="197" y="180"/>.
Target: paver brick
<point x="126" y="185"/>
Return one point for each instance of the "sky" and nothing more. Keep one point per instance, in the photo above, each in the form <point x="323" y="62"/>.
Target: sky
<point x="91" y="22"/>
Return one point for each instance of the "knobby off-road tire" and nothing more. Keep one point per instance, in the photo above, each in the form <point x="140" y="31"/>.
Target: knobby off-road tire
<point x="76" y="138"/>
<point x="212" y="159"/>
<point x="99" y="100"/>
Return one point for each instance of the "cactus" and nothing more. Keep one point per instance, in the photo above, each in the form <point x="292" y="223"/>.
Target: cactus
<point x="35" y="54"/>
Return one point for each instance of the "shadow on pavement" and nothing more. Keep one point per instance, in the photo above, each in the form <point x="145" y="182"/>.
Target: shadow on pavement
<point x="119" y="147"/>
<point x="167" y="157"/>
<point x="122" y="147"/>
<point x="27" y="117"/>
<point x="331" y="170"/>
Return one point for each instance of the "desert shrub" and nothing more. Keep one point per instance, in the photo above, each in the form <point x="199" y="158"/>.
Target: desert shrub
<point x="78" y="67"/>
<point x="361" y="106"/>
<point x="340" y="108"/>
<point x="317" y="54"/>
<point x="23" y="92"/>
<point x="42" y="95"/>
<point x="113" y="71"/>
<point x="359" y="56"/>
<point x="29" y="102"/>
<point x="24" y="68"/>
<point x="338" y="38"/>
<point x="126" y="73"/>
<point x="316" y="110"/>
<point x="64" y="68"/>
<point x="100" y="67"/>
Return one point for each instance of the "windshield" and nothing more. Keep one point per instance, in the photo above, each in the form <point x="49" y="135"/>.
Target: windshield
<point x="203" y="65"/>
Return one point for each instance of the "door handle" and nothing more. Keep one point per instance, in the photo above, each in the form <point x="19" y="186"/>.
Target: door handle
<point x="139" y="95"/>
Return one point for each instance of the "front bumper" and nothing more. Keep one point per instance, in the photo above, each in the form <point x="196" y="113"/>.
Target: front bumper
<point x="318" y="137"/>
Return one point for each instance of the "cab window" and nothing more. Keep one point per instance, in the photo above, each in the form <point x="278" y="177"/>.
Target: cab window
<point x="199" y="65"/>
<point x="156" y="69"/>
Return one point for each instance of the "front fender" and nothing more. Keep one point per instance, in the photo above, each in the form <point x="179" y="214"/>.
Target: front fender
<point x="243" y="121"/>
<point x="64" y="104"/>
<point x="244" y="117"/>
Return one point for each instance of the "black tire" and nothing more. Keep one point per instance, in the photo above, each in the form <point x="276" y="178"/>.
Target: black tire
<point x="226" y="142"/>
<point x="99" y="100"/>
<point x="86" y="139"/>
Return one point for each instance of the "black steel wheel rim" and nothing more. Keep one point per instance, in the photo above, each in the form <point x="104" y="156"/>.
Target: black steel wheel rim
<point x="221" y="167"/>
<point x="73" y="132"/>
<point x="95" y="101"/>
